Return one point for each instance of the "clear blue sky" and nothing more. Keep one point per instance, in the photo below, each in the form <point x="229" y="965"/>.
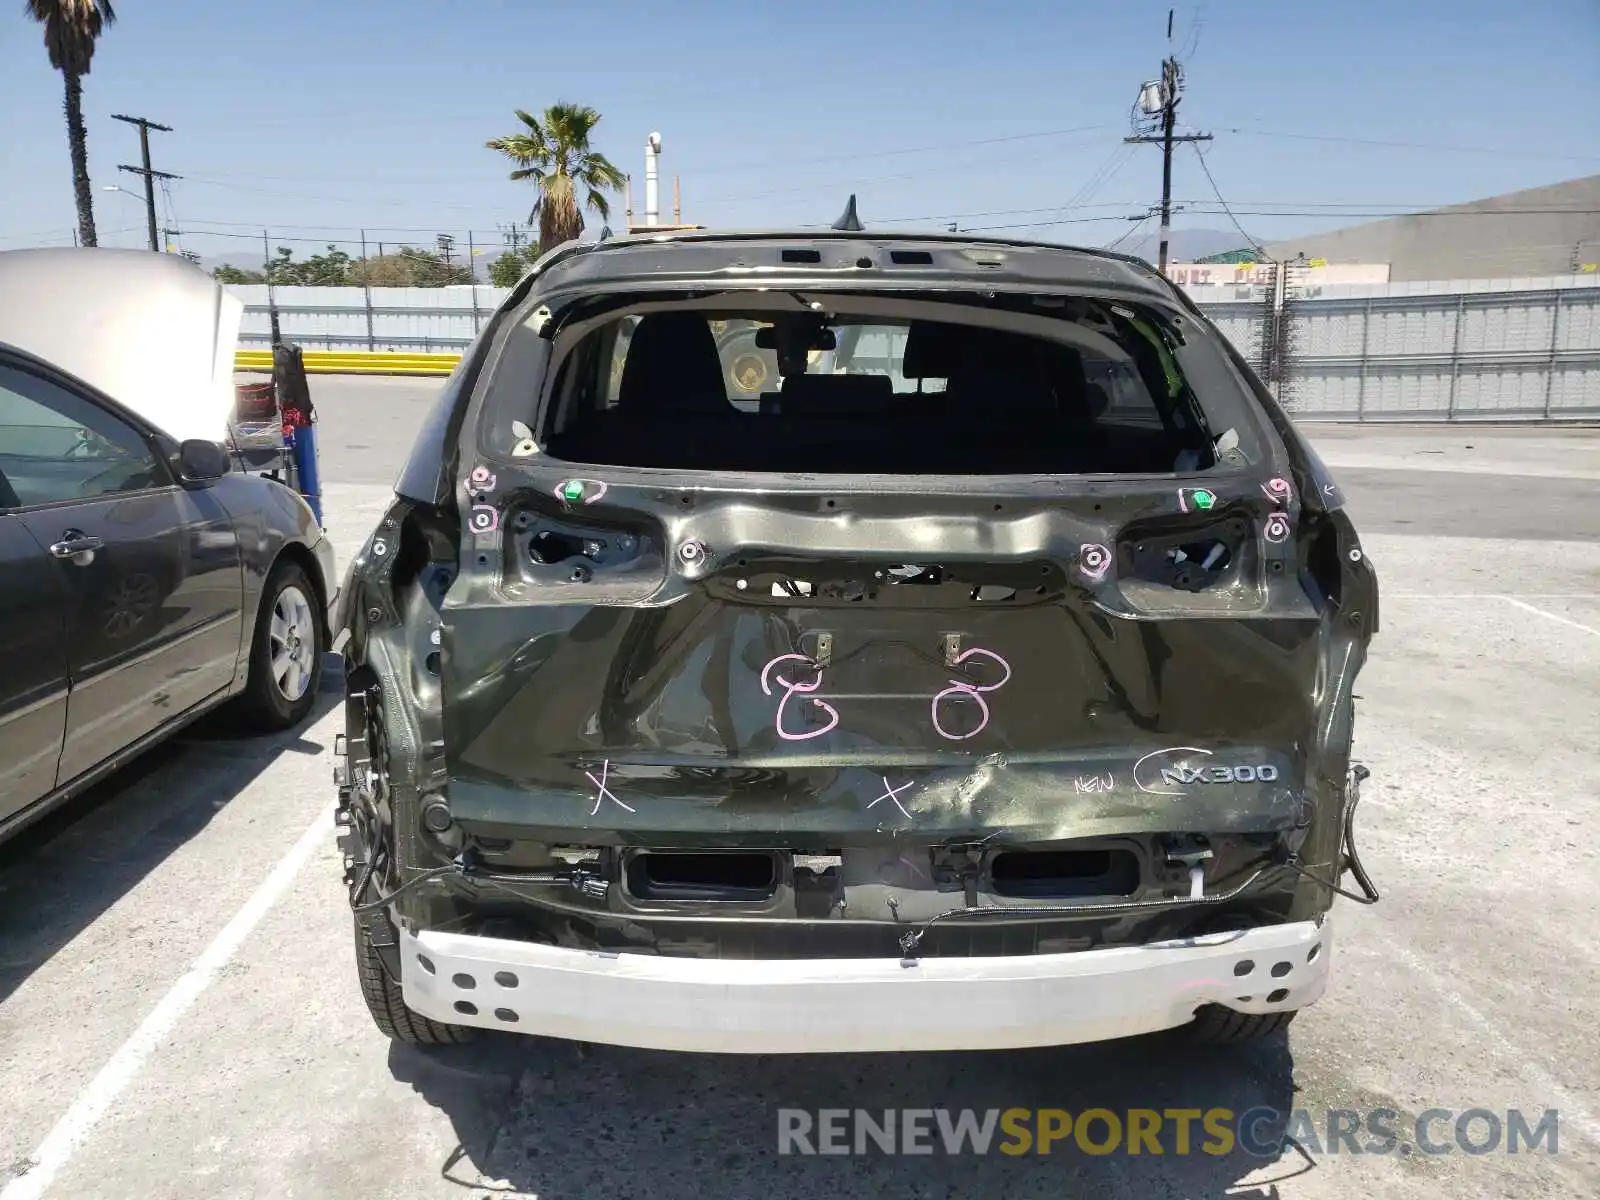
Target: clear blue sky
<point x="317" y="117"/>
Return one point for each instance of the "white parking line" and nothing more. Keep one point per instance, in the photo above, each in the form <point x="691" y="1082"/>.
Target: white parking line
<point x="75" y="1126"/>
<point x="1486" y="596"/>
<point x="1573" y="1113"/>
<point x="1552" y="616"/>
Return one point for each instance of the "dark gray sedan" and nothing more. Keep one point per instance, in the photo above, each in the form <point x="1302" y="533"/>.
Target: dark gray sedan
<point x="142" y="582"/>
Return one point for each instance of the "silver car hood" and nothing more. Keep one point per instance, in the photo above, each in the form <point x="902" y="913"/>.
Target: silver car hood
<point x="152" y="331"/>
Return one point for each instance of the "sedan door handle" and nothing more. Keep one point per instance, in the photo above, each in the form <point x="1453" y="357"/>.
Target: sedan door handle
<point x="77" y="546"/>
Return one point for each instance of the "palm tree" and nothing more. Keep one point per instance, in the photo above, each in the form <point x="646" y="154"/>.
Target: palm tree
<point x="555" y="154"/>
<point x="71" y="28"/>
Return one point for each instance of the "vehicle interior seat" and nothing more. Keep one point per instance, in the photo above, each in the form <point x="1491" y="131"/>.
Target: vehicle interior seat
<point x="930" y="353"/>
<point x="1001" y="377"/>
<point x="838" y="395"/>
<point x="673" y="368"/>
<point x="671" y="398"/>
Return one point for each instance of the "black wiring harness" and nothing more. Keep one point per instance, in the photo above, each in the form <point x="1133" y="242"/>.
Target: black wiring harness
<point x="466" y="867"/>
<point x="1349" y="860"/>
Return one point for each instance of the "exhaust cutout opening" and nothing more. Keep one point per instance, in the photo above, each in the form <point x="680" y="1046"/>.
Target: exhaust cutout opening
<point x="728" y="876"/>
<point x="1059" y="874"/>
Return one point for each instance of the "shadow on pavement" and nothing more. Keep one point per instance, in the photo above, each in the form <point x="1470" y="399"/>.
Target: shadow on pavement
<point x="556" y="1120"/>
<point x="58" y="875"/>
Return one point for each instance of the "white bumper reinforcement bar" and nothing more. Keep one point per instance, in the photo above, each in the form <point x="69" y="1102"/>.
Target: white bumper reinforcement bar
<point x="788" y="1006"/>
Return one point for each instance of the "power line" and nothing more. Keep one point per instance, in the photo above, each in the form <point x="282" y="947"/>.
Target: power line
<point x="326" y="232"/>
<point x="216" y="228"/>
<point x="999" y="212"/>
<point x="1103" y="175"/>
<point x="817" y="186"/>
<point x="927" y="149"/>
<point x="748" y="165"/>
<point x="1204" y="166"/>
<point x="1412" y="212"/>
<point x="1366" y="204"/>
<point x="652" y="89"/>
<point x="211" y="181"/>
<point x="173" y="229"/>
<point x="1355" y="141"/>
<point x="1041" y="224"/>
<point x="1132" y="229"/>
<point x="856" y="181"/>
<point x="1196" y="26"/>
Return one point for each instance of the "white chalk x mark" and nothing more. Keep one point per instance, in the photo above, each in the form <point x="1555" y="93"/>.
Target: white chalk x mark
<point x="892" y="795"/>
<point x="604" y="791"/>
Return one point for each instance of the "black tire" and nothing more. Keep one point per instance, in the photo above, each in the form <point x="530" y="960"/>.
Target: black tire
<point x="1215" y="1025"/>
<point x="388" y="1008"/>
<point x="272" y="702"/>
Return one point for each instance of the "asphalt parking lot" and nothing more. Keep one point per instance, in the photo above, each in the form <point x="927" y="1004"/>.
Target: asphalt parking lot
<point x="179" y="1013"/>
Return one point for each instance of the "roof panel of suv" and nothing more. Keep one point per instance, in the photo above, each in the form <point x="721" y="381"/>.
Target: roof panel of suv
<point x="940" y="259"/>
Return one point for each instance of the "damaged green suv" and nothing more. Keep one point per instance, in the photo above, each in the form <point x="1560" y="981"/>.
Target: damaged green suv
<point x="984" y="682"/>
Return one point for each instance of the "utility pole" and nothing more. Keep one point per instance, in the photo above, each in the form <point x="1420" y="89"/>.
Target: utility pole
<point x="1158" y="115"/>
<point x="272" y="302"/>
<point x="447" y="249"/>
<point x="145" y="126"/>
<point x="366" y="292"/>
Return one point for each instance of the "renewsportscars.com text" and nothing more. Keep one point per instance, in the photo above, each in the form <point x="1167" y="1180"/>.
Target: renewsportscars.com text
<point x="1261" y="1132"/>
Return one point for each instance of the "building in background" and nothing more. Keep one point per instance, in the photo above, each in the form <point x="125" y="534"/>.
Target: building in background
<point x="1539" y="232"/>
<point x="1248" y="272"/>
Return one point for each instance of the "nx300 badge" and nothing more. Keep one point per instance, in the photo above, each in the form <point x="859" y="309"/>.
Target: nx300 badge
<point x="1150" y="774"/>
<point x="1266" y="772"/>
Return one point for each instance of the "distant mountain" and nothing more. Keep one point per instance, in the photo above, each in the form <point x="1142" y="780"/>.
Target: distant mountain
<point x="1185" y="245"/>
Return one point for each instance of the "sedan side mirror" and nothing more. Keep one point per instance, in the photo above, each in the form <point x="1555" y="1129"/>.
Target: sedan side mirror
<point x="201" y="463"/>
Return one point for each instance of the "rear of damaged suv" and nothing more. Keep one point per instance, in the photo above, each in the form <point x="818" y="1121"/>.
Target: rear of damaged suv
<point x="964" y="663"/>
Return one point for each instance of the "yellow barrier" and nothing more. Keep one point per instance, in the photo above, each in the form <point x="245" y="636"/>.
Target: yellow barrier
<point x="355" y="362"/>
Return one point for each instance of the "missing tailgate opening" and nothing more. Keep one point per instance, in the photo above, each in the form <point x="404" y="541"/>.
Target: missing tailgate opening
<point x="874" y="384"/>
<point x="1053" y="874"/>
<point x="727" y="876"/>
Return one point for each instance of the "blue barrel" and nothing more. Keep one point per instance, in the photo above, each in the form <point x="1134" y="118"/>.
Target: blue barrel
<point x="303" y="446"/>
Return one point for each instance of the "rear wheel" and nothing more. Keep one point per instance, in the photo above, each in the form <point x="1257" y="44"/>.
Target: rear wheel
<point x="1215" y="1025"/>
<point x="285" y="653"/>
<point x="388" y="1007"/>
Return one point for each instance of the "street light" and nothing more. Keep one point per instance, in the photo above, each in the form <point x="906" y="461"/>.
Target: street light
<point x="111" y="187"/>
